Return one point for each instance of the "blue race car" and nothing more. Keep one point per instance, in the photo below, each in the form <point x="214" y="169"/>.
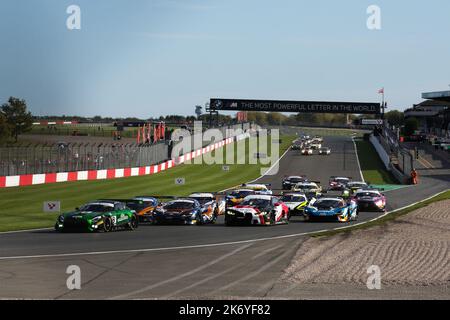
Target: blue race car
<point x="331" y="209"/>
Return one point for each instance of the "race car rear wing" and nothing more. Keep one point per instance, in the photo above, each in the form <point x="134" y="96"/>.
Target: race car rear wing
<point x="262" y="184"/>
<point x="370" y="188"/>
<point x="220" y="196"/>
<point x="159" y="197"/>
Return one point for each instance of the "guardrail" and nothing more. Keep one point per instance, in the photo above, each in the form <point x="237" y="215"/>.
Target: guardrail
<point x="398" y="168"/>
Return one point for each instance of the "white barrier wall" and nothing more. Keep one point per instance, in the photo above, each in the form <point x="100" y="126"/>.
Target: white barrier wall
<point x="381" y="152"/>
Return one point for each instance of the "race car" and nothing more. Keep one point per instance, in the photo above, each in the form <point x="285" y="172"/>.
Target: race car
<point x="258" y="209"/>
<point x="315" y="145"/>
<point x="101" y="215"/>
<point x="311" y="189"/>
<point x="143" y="206"/>
<point x="237" y="196"/>
<point x="307" y="151"/>
<point x="318" y="139"/>
<point x="331" y="209"/>
<point x="210" y="202"/>
<point x="352" y="187"/>
<point x="290" y="181"/>
<point x="296" y="202"/>
<point x="339" y="183"/>
<point x="186" y="211"/>
<point x="297" y="146"/>
<point x="370" y="200"/>
<point x="258" y="188"/>
<point x="325" y="151"/>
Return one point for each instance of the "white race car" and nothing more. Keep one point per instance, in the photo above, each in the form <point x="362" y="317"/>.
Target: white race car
<point x="210" y="203"/>
<point x="258" y="209"/>
<point x="310" y="188"/>
<point x="307" y="151"/>
<point x="296" y="202"/>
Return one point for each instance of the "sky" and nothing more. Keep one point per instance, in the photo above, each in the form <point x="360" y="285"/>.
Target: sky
<point x="146" y="58"/>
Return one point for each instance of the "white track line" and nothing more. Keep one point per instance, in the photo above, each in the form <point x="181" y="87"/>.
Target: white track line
<point x="357" y="160"/>
<point x="265" y="174"/>
<point x="62" y="255"/>
<point x="178" y="277"/>
<point x="214" y="244"/>
<point x="26" y="230"/>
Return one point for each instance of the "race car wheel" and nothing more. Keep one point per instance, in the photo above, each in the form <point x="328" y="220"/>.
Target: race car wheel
<point x="199" y="219"/>
<point x="289" y="215"/>
<point x="107" y="224"/>
<point x="272" y="218"/>
<point x="133" y="224"/>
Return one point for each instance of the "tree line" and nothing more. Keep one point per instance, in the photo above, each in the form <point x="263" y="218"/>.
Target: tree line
<point x="15" y="119"/>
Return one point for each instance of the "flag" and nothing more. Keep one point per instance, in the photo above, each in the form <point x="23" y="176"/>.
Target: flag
<point x="381" y="91"/>
<point x="161" y="130"/>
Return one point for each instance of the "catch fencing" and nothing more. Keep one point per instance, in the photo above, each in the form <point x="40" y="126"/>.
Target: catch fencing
<point x="67" y="157"/>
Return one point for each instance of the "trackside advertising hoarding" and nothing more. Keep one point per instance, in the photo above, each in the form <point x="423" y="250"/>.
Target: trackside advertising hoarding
<point x="217" y="104"/>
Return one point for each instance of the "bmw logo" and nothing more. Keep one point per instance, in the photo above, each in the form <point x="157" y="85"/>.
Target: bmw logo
<point x="219" y="103"/>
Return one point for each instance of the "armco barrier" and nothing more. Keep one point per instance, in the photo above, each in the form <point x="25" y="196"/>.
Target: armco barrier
<point x="46" y="178"/>
<point x="381" y="151"/>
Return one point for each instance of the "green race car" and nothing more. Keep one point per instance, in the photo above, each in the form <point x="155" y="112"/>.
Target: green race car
<point x="103" y="215"/>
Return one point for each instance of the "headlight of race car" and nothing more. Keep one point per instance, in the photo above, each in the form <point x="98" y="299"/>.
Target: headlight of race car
<point x="188" y="214"/>
<point x="96" y="219"/>
<point x="230" y="213"/>
<point x="61" y="218"/>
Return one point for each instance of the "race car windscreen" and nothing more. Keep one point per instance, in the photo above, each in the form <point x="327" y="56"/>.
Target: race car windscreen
<point x="137" y="206"/>
<point x="367" y="194"/>
<point x="203" y="200"/>
<point x="96" y="208"/>
<point x="295" y="180"/>
<point x="328" y="204"/>
<point x="256" y="203"/>
<point x="292" y="198"/>
<point x="241" y="194"/>
<point x="177" y="205"/>
<point x="357" y="185"/>
<point x="306" y="187"/>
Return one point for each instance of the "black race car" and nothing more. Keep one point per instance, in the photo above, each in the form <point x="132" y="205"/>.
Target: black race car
<point x="291" y="181"/>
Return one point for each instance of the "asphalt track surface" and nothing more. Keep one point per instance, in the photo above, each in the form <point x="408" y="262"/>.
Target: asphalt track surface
<point x="183" y="261"/>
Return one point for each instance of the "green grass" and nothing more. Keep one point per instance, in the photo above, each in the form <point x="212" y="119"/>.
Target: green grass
<point x="371" y="165"/>
<point x="21" y="208"/>
<point x="390" y="217"/>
